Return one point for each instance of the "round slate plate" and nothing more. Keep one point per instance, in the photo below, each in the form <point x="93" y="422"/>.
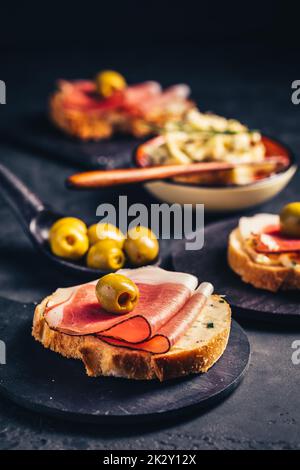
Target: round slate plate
<point x="35" y="132"/>
<point x="46" y="382"/>
<point x="210" y="264"/>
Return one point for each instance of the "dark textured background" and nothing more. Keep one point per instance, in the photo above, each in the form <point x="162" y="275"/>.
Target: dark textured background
<point x="237" y="66"/>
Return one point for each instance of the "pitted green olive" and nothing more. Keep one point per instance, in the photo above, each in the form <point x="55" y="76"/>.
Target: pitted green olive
<point x="290" y="220"/>
<point x="141" y="246"/>
<point x="105" y="255"/>
<point x="117" y="293"/>
<point x="105" y="231"/>
<point x="108" y="82"/>
<point x="69" y="222"/>
<point x="69" y="242"/>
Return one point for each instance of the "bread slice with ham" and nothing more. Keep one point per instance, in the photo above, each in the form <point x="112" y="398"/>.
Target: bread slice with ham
<point x="176" y="329"/>
<point x="262" y="256"/>
<point x="77" y="110"/>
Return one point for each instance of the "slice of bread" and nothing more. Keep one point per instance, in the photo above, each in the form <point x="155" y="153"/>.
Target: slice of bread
<point x="272" y="278"/>
<point x="85" y="126"/>
<point x="200" y="347"/>
<point x="70" y="111"/>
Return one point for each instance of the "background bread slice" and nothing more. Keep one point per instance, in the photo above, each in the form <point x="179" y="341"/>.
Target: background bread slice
<point x="76" y="123"/>
<point x="201" y="346"/>
<point x="270" y="278"/>
<point x="91" y="126"/>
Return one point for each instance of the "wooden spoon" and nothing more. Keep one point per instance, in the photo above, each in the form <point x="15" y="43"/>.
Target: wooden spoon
<point x="106" y="178"/>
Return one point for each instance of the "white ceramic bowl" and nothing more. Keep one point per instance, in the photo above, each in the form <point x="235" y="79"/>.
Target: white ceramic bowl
<point x="230" y="198"/>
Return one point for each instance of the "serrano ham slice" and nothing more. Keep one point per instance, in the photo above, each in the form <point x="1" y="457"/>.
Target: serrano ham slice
<point x="264" y="229"/>
<point x="271" y="240"/>
<point x="175" y="328"/>
<point x="135" y="100"/>
<point x="249" y="226"/>
<point x="81" y="95"/>
<point x="160" y="102"/>
<point x="76" y="310"/>
<point x="135" y="94"/>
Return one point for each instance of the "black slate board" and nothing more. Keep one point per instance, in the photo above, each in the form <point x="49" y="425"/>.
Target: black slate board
<point x="43" y="381"/>
<point x="36" y="133"/>
<point x="210" y="264"/>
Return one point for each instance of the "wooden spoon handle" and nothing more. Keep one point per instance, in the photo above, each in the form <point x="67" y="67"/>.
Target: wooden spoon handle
<point x="106" y="178"/>
<point x="102" y="179"/>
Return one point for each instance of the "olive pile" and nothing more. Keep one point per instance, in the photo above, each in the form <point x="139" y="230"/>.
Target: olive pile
<point x="103" y="245"/>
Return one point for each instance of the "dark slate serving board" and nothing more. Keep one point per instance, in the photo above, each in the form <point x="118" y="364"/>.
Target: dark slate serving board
<point x="45" y="382"/>
<point x="210" y="264"/>
<point x="35" y="132"/>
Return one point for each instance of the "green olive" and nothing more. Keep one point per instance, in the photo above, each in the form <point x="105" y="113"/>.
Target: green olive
<point x="141" y="246"/>
<point x="108" y="82"/>
<point x="290" y="220"/>
<point x="117" y="293"/>
<point x="69" y="242"/>
<point x="105" y="231"/>
<point x="105" y="255"/>
<point x="70" y="222"/>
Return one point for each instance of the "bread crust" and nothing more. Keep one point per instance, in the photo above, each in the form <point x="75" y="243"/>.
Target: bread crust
<point x="101" y="358"/>
<point x="272" y="278"/>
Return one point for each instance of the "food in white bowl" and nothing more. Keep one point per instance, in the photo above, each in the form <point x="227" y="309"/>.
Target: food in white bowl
<point x="204" y="137"/>
<point x="211" y="138"/>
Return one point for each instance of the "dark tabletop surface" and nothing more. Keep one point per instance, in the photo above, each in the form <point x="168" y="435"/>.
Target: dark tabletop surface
<point x="252" y="84"/>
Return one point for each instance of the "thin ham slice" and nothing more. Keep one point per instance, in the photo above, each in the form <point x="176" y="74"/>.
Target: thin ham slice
<point x="176" y="93"/>
<point x="135" y="94"/>
<point x="249" y="226"/>
<point x="81" y="95"/>
<point x="135" y="100"/>
<point x="76" y="311"/>
<point x="168" y="100"/>
<point x="175" y="328"/>
<point x="271" y="240"/>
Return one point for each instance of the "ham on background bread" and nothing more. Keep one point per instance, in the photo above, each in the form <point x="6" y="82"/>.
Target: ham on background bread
<point x="132" y="345"/>
<point x="271" y="240"/>
<point x="76" y="108"/>
<point x="262" y="256"/>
